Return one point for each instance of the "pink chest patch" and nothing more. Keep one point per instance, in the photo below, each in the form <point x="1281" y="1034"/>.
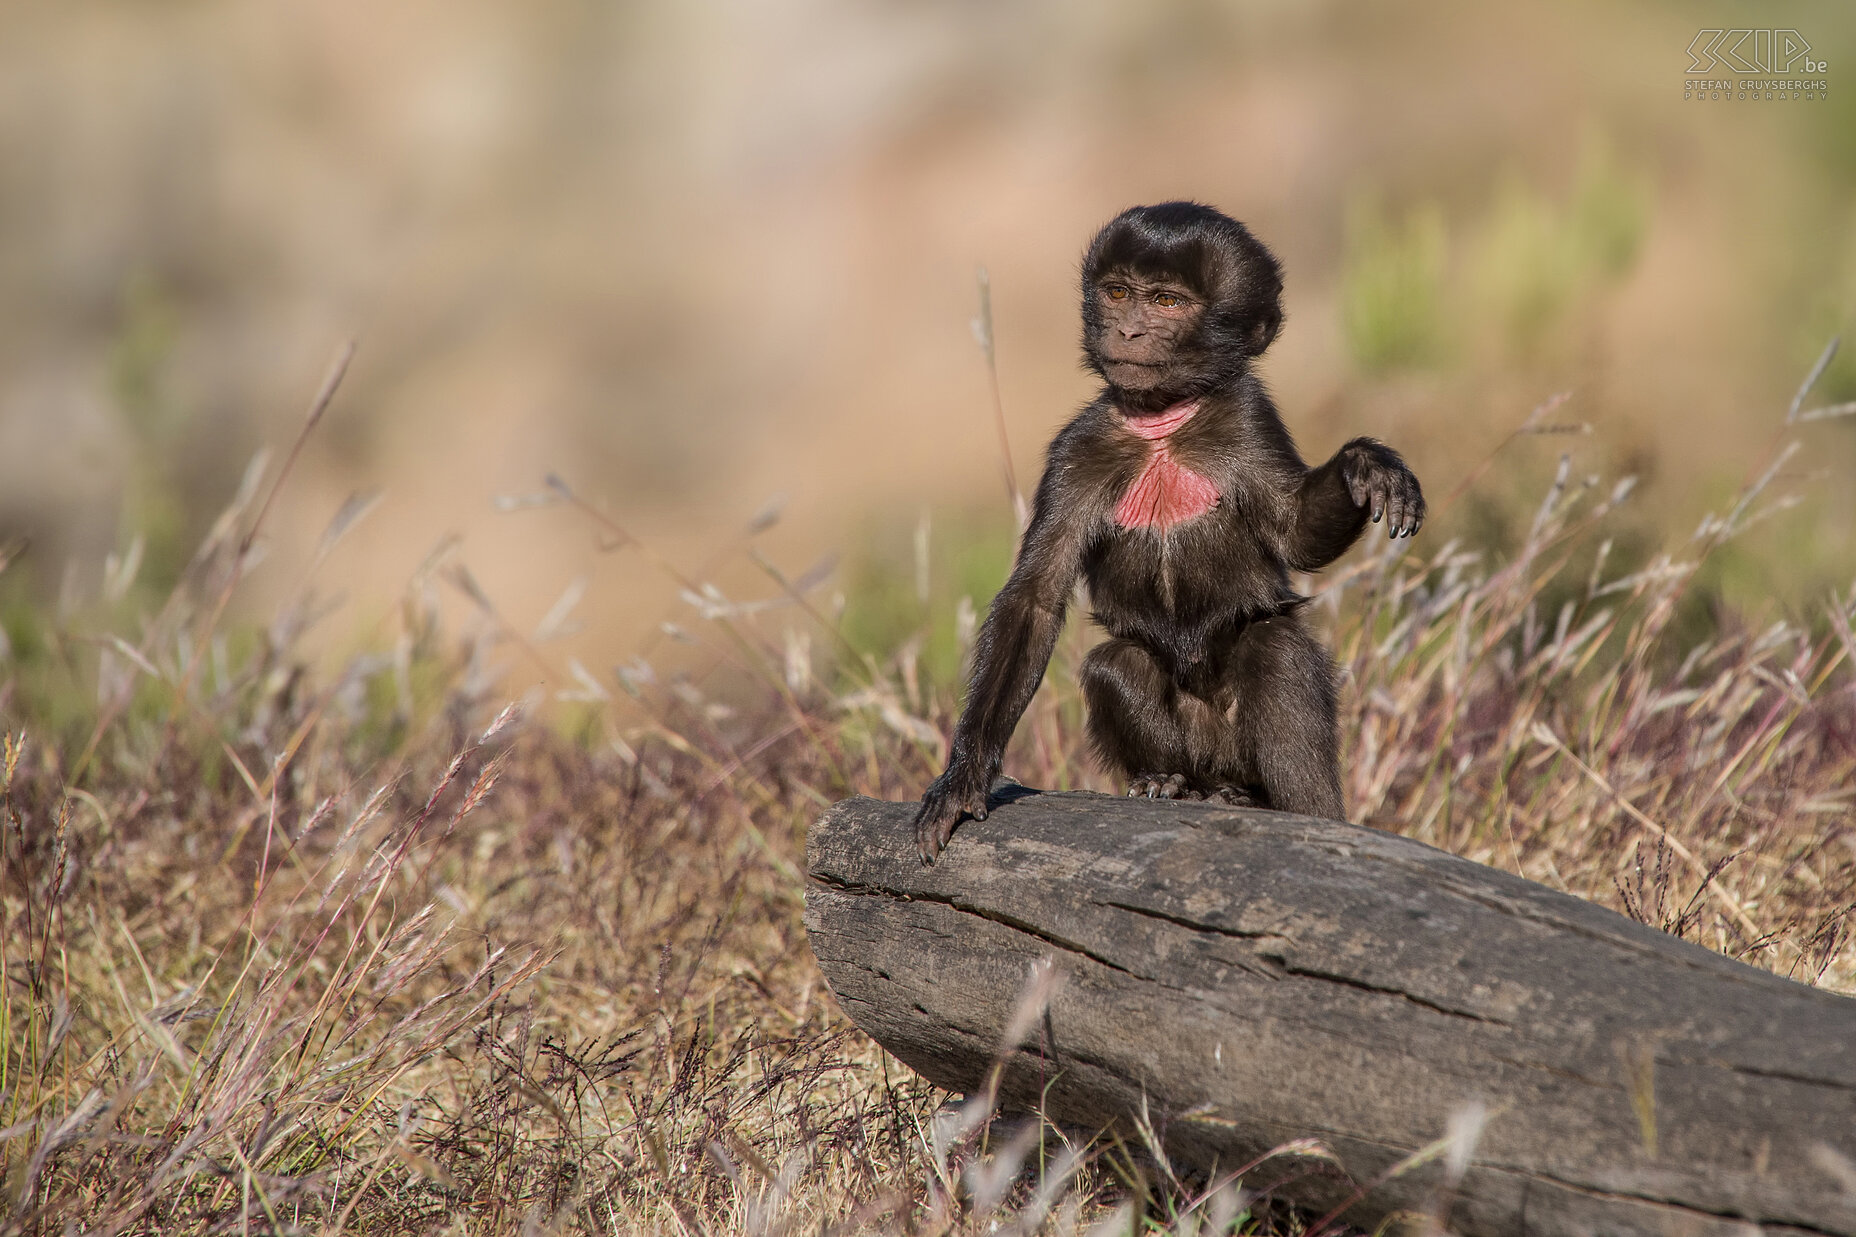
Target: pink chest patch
<point x="1165" y="492"/>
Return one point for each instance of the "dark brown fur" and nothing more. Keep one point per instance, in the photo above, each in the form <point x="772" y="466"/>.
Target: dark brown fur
<point x="1210" y="684"/>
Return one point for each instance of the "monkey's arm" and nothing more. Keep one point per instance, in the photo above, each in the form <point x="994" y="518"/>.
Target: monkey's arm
<point x="1365" y="479"/>
<point x="1009" y="657"/>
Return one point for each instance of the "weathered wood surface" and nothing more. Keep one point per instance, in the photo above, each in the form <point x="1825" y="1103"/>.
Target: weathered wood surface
<point x="1260" y="977"/>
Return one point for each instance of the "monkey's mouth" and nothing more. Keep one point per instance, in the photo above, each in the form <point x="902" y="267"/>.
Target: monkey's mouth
<point x="1132" y="373"/>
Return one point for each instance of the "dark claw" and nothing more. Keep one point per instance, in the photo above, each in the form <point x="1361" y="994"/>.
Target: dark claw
<point x="1158" y="786"/>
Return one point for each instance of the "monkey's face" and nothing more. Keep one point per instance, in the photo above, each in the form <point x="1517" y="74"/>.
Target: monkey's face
<point x="1177" y="299"/>
<point x="1140" y="325"/>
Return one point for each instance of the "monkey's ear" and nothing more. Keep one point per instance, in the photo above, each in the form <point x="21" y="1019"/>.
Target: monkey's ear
<point x="1263" y="331"/>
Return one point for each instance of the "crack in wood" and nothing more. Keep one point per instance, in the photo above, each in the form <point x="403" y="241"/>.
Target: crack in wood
<point x="980" y="912"/>
<point x="1808" y="1080"/>
<point x="1674" y="1205"/>
<point x="1349" y="981"/>
<point x="1239" y="934"/>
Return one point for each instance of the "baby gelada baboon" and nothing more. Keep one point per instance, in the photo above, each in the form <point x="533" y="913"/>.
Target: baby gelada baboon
<point x="1178" y="494"/>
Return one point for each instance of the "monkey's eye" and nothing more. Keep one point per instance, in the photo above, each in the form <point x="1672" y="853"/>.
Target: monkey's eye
<point x="1116" y="291"/>
<point x="1166" y="300"/>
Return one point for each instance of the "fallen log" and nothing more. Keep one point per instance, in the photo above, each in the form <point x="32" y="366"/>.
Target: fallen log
<point x="1247" y="978"/>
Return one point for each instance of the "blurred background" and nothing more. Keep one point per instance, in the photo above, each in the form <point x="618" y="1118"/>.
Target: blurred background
<point x="695" y="256"/>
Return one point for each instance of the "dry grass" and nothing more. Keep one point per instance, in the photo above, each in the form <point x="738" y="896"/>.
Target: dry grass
<point x="376" y="955"/>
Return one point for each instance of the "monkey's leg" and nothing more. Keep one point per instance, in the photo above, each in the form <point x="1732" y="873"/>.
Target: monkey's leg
<point x="1143" y="727"/>
<point x="1283" y="714"/>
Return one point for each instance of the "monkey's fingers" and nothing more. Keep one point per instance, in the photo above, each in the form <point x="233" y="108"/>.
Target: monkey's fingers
<point x="934" y="829"/>
<point x="931" y="836"/>
<point x="1395" y="511"/>
<point x="1411" y="505"/>
<point x="940" y="812"/>
<point x="928" y="832"/>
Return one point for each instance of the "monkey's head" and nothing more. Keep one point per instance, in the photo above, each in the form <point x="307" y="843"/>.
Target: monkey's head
<point x="1177" y="298"/>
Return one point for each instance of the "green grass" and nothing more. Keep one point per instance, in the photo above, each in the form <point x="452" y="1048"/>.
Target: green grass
<point x="1418" y="290"/>
<point x="1392" y="288"/>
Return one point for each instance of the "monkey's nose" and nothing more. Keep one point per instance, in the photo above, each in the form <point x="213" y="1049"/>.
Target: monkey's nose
<point x="1131" y="332"/>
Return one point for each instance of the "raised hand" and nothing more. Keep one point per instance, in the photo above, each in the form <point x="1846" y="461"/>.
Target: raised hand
<point x="1377" y="479"/>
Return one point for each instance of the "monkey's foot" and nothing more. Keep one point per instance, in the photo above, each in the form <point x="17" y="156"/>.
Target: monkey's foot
<point x="1174" y="786"/>
<point x="1236" y="796"/>
<point x="1159" y="786"/>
